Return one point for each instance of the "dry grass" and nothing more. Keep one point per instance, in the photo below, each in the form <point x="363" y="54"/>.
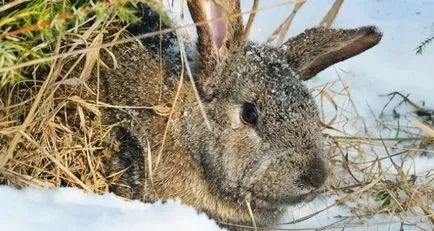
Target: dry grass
<point x="369" y="172"/>
<point x="51" y="136"/>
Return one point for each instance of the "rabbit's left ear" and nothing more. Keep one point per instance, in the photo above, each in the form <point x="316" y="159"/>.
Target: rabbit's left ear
<point x="219" y="28"/>
<point x="316" y="49"/>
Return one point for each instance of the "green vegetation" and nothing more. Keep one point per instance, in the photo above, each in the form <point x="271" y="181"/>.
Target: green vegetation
<point x="30" y="30"/>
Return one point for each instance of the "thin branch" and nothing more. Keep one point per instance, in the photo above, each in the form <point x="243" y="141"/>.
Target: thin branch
<point x="331" y="14"/>
<point x="279" y="34"/>
<point x="251" y="19"/>
<point x="11" y="4"/>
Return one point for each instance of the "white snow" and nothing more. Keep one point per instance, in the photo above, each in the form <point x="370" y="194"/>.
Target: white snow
<point x="390" y="66"/>
<point x="72" y="209"/>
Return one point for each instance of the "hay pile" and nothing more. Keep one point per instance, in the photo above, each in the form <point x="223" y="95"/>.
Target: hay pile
<point x="50" y="130"/>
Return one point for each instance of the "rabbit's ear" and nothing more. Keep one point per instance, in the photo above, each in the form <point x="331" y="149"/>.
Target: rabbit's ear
<point x="318" y="48"/>
<point x="219" y="27"/>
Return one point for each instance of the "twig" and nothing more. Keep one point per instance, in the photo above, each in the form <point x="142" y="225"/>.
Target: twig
<point x="279" y="34"/>
<point x="331" y="14"/>
<point x="178" y="92"/>
<point x="379" y="138"/>
<point x="424" y="127"/>
<point x="42" y="24"/>
<point x="251" y="215"/>
<point x="405" y="99"/>
<point x="11" y="4"/>
<point x="251" y="20"/>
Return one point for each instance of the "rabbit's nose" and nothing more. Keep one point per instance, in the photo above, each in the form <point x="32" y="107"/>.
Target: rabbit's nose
<point x="315" y="173"/>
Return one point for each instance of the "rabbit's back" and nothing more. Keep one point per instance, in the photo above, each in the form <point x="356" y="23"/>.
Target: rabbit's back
<point x="139" y="82"/>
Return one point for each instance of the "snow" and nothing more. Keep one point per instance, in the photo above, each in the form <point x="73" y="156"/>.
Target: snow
<point x="72" y="209"/>
<point x="390" y="66"/>
<point x="343" y="218"/>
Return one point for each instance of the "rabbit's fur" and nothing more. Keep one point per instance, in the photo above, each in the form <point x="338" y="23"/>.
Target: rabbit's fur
<point x="276" y="162"/>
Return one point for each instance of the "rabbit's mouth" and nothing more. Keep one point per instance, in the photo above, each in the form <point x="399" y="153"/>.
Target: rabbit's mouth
<point x="267" y="187"/>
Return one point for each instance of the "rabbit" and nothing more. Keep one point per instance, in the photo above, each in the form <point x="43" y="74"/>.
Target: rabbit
<point x="262" y="147"/>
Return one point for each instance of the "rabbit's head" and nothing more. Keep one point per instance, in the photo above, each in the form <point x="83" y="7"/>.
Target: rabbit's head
<point x="265" y="145"/>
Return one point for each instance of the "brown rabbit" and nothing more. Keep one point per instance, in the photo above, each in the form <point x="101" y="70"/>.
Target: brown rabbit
<point x="265" y="142"/>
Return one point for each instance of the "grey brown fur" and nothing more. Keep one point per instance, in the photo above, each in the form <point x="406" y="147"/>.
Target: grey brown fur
<point x="278" y="162"/>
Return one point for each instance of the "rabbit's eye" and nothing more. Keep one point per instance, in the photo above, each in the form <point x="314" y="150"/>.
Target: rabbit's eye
<point x="249" y="114"/>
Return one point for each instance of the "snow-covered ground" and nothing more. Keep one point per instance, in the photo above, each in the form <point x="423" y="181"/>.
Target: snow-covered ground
<point x="70" y="209"/>
<point x="390" y="66"/>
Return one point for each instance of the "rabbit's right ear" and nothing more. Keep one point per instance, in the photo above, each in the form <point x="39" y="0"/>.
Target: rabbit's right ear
<point x="220" y="30"/>
<point x="318" y="48"/>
